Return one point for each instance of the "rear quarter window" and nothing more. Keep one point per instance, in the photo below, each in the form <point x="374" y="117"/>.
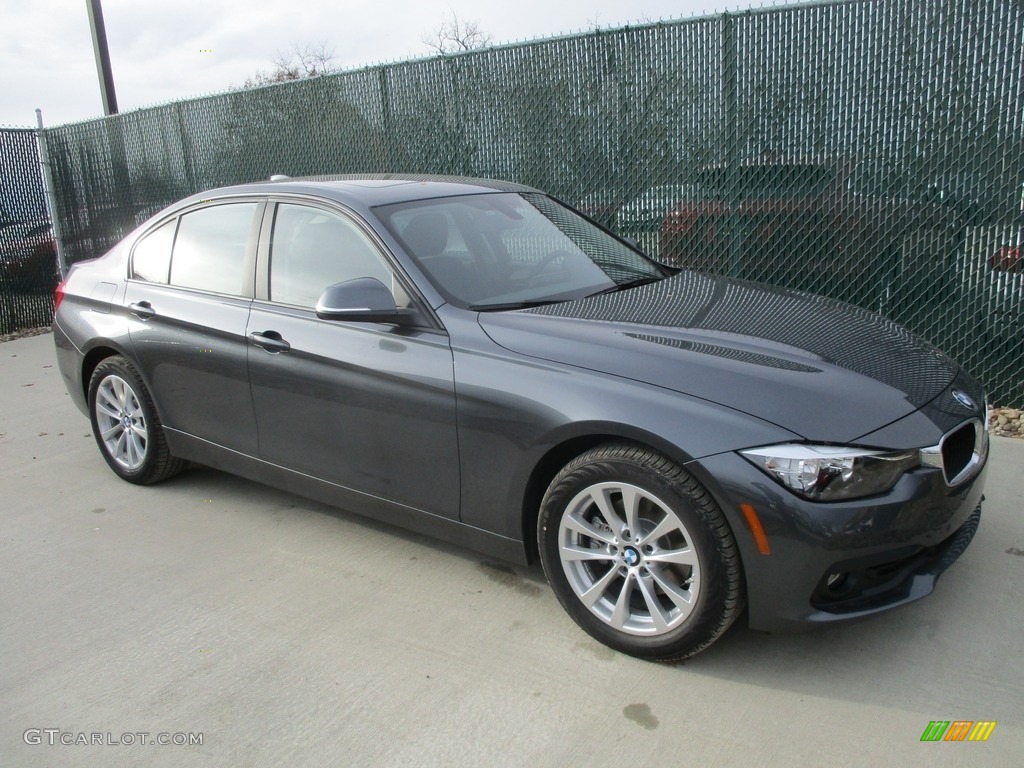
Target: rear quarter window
<point x="151" y="258"/>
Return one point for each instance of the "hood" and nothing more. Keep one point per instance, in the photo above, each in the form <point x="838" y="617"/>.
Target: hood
<point x="825" y="370"/>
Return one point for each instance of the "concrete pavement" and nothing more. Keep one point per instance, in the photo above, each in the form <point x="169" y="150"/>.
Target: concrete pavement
<point x="284" y="632"/>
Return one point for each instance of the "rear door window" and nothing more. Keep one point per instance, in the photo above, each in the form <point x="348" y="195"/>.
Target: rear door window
<point x="210" y="248"/>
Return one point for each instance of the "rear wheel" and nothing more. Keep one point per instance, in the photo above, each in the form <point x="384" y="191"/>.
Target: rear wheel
<point x="639" y="554"/>
<point x="126" y="425"/>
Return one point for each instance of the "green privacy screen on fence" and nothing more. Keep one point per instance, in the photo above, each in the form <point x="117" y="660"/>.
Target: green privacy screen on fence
<point x="28" y="259"/>
<point x="871" y="151"/>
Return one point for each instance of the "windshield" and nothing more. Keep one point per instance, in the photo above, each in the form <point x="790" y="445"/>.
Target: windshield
<point x="502" y="250"/>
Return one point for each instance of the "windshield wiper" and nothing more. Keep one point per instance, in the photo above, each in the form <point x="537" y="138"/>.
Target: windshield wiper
<point x="513" y="305"/>
<point x="634" y="283"/>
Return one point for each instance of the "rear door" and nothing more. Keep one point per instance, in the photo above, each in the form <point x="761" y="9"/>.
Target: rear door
<point x="367" y="406"/>
<point x="188" y="299"/>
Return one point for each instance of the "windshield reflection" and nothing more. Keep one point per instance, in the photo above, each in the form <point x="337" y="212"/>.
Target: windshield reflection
<point x="506" y="250"/>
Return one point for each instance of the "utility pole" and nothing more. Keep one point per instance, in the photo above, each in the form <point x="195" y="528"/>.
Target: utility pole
<point x="99" y="44"/>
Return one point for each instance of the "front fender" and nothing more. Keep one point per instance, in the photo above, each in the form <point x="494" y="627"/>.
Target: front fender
<point x="505" y="435"/>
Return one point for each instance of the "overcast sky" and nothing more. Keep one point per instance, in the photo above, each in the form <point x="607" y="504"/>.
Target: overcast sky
<point x="179" y="49"/>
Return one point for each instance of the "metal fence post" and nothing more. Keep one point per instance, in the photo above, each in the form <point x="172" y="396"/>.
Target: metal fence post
<point x="51" y="199"/>
<point x="390" y="160"/>
<point x="730" y="93"/>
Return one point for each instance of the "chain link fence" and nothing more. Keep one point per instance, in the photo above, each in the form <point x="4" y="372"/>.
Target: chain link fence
<point x="871" y="150"/>
<point x="28" y="257"/>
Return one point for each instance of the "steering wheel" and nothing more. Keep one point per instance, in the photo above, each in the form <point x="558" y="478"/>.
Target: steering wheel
<point x="557" y="256"/>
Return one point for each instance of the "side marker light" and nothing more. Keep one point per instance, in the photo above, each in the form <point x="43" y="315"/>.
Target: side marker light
<point x="754" y="523"/>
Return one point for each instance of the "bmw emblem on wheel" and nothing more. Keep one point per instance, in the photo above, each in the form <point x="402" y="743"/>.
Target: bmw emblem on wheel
<point x="964" y="399"/>
<point x="630" y="556"/>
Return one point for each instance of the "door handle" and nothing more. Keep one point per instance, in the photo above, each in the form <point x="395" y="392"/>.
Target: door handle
<point x="142" y="309"/>
<point x="270" y="341"/>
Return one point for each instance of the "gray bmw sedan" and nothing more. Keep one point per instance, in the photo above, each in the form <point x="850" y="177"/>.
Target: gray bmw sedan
<point x="475" y="361"/>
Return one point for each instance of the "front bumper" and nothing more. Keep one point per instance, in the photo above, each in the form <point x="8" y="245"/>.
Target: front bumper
<point x="838" y="561"/>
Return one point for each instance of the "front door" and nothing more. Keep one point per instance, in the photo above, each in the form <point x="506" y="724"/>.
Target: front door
<point x="366" y="406"/>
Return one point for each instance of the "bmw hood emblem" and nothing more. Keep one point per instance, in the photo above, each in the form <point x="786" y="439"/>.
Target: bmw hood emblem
<point x="964" y="399"/>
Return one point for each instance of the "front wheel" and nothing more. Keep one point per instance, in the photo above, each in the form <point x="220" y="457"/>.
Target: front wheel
<point x="126" y="425"/>
<point x="639" y="554"/>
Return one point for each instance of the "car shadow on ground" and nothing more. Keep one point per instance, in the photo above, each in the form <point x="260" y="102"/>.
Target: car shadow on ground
<point x="903" y="658"/>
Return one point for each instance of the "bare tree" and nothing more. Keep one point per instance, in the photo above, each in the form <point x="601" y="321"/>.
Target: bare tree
<point x="298" y="62"/>
<point x="455" y="35"/>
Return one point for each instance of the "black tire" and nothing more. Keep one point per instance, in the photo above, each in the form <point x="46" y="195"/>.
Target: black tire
<point x="678" y="521"/>
<point x="134" y="446"/>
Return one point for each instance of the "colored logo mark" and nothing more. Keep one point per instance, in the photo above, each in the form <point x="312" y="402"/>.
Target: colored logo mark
<point x="964" y="399"/>
<point x="958" y="730"/>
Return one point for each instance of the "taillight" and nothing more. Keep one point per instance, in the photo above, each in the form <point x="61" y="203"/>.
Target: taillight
<point x="1007" y="259"/>
<point x="58" y="294"/>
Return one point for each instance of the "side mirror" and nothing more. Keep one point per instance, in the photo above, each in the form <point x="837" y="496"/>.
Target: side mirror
<point x="363" y="300"/>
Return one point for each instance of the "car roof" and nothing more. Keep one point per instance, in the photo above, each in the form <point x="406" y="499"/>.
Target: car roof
<point x="370" y="190"/>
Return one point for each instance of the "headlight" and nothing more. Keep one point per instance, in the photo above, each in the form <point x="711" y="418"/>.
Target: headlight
<point x="832" y="473"/>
